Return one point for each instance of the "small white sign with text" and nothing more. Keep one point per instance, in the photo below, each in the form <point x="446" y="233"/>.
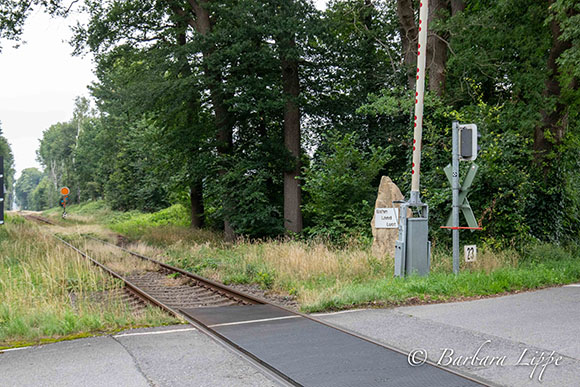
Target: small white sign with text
<point x="386" y="218"/>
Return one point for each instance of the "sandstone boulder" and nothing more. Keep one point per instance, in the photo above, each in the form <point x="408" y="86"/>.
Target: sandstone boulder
<point x="384" y="238"/>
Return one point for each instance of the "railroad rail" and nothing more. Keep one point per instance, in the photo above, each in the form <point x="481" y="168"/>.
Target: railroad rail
<point x="252" y="327"/>
<point x="40" y="219"/>
<point x="206" y="293"/>
<point x="203" y="292"/>
<point x="197" y="280"/>
<point x="225" y="296"/>
<point x="158" y="288"/>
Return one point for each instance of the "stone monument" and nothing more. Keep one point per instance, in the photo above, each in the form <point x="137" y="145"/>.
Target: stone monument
<point x="384" y="238"/>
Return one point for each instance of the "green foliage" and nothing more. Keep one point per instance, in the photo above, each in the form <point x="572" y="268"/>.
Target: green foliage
<point x="44" y="196"/>
<point x="39" y="281"/>
<point x="135" y="223"/>
<point x="13" y="220"/>
<point x="57" y="154"/>
<point x="252" y="188"/>
<point x="340" y="188"/>
<point x="25" y="185"/>
<point x="442" y="286"/>
<point x="352" y="56"/>
<point x="162" y="85"/>
<point x="131" y="184"/>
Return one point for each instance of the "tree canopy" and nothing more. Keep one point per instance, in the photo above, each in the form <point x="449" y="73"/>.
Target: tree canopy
<point x="263" y="116"/>
<point x="25" y="186"/>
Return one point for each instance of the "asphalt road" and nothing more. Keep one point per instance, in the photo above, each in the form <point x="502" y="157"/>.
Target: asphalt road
<point x="517" y="328"/>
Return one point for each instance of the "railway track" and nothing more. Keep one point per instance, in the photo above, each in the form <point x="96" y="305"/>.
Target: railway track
<point x="166" y="286"/>
<point x="290" y="347"/>
<point x="172" y="288"/>
<point x="39" y="219"/>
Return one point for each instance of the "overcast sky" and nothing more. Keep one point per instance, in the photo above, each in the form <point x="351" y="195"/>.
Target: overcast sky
<point x="39" y="82"/>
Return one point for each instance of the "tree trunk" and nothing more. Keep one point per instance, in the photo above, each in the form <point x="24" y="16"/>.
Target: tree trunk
<point x="436" y="49"/>
<point x="195" y="188"/>
<point x="554" y="119"/>
<point x="292" y="193"/>
<point x="197" y="209"/>
<point x="457" y="6"/>
<point x="203" y="25"/>
<point x="409" y="34"/>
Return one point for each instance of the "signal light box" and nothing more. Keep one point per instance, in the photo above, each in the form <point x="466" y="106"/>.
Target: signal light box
<point x="468" y="147"/>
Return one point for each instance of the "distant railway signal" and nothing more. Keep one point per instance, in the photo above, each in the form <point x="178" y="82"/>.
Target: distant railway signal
<point x="63" y="202"/>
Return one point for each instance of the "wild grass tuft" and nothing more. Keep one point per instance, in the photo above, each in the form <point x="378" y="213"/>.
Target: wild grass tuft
<point x="47" y="291"/>
<point x="325" y="276"/>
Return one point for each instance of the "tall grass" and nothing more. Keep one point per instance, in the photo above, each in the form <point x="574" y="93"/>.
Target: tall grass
<point x="40" y="279"/>
<point x="323" y="276"/>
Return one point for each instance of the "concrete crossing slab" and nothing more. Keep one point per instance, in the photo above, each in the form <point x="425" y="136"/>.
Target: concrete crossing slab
<point x="166" y="356"/>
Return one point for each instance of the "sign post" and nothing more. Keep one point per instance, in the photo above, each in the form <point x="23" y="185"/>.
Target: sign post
<point x="463" y="148"/>
<point x="455" y="198"/>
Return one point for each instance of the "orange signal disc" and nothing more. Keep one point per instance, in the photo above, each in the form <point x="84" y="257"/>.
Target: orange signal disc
<point x="64" y="190"/>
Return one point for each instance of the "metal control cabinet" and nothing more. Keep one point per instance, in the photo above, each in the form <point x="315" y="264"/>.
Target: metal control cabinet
<point x="419" y="251"/>
<point x="412" y="248"/>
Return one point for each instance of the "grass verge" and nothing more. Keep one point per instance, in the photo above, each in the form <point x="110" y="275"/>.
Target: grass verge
<point x="48" y="292"/>
<point x="323" y="277"/>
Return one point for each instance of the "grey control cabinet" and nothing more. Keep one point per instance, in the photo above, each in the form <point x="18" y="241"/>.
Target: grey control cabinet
<point x="412" y="248"/>
<point x="418" y="254"/>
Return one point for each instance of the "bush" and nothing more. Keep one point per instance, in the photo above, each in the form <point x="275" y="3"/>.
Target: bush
<point x="249" y="195"/>
<point x="133" y="223"/>
<point x="339" y="188"/>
